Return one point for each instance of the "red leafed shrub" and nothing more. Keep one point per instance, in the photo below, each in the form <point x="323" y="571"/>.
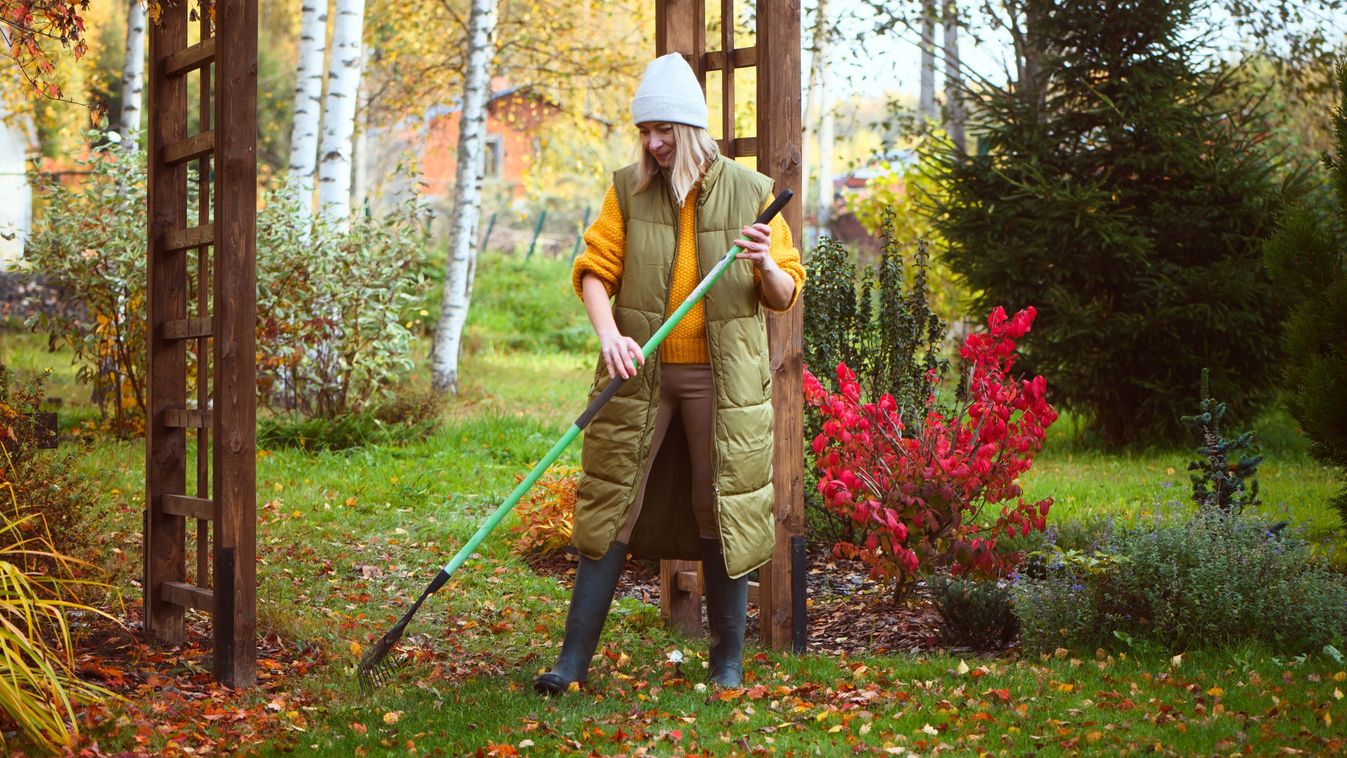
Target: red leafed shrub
<point x="936" y="486"/>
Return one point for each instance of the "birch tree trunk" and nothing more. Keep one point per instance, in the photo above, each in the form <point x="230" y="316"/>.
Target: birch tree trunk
<point x="467" y="197"/>
<point x="825" y="122"/>
<point x="811" y="100"/>
<point x="308" y="100"/>
<point x="955" y="114"/>
<point x="339" y="109"/>
<point x="926" y="112"/>
<point x="133" y="74"/>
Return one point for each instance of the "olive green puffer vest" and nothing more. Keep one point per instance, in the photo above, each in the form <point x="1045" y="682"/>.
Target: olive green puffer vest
<point x="617" y="441"/>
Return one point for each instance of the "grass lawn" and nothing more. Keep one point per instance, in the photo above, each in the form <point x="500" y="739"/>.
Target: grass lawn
<point x="346" y="541"/>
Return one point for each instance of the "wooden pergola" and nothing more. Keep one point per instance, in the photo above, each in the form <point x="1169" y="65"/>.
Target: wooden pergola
<point x="202" y="317"/>
<point x="202" y="330"/>
<point x="681" y="27"/>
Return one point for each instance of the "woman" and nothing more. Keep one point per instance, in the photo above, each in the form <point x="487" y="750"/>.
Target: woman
<point x="678" y="463"/>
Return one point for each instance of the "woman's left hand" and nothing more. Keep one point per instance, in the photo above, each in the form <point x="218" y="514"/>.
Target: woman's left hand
<point x="756" y="246"/>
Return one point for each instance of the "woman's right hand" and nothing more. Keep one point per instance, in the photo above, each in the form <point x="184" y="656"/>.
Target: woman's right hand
<point x="621" y="354"/>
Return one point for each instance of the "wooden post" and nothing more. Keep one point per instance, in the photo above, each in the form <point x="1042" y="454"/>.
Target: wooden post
<point x="681" y="27"/>
<point x="779" y="157"/>
<point x="223" y="331"/>
<point x="235" y="451"/>
<point x="166" y="447"/>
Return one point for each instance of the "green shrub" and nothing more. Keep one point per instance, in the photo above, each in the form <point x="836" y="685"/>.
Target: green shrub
<point x="332" y="296"/>
<point x="879" y="322"/>
<point x="331" y="302"/>
<point x="54" y="499"/>
<point x="399" y="419"/>
<point x="1117" y="188"/>
<point x="1210" y="579"/>
<point x="975" y="613"/>
<point x="1308" y="260"/>
<point x="90" y="245"/>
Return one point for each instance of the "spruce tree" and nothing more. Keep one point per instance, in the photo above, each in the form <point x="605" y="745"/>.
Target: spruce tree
<point x="1308" y="261"/>
<point x="1114" y="192"/>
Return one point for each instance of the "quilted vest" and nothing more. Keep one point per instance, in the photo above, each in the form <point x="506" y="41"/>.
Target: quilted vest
<point x="617" y="442"/>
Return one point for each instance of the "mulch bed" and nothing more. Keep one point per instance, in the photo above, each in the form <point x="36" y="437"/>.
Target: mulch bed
<point x="849" y="613"/>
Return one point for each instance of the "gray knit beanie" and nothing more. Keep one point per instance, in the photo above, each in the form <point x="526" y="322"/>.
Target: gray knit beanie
<point x="669" y="92"/>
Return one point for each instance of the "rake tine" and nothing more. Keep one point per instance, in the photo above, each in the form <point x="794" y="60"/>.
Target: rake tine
<point x="376" y="668"/>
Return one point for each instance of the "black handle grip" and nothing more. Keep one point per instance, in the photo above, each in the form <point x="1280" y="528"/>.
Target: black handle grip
<point x="770" y="211"/>
<point x="593" y="410"/>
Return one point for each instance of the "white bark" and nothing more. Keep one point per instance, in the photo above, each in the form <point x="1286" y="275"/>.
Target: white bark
<point x="467" y="197"/>
<point x="926" y="112"/>
<point x="811" y="98"/>
<point x="133" y="74"/>
<point x="825" y="130"/>
<point x="339" y="110"/>
<point x="308" y="100"/>
<point x="955" y="115"/>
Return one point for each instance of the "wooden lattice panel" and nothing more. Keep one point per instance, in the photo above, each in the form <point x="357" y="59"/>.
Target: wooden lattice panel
<point x="681" y="27"/>
<point x="202" y="328"/>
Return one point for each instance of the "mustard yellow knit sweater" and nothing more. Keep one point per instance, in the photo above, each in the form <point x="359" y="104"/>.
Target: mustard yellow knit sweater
<point x="606" y="250"/>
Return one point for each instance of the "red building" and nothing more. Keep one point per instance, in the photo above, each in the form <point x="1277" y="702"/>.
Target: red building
<point x="515" y="116"/>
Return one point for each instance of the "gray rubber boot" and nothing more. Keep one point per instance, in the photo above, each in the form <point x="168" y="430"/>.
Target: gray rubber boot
<point x="591" y="598"/>
<point x="726" y="614"/>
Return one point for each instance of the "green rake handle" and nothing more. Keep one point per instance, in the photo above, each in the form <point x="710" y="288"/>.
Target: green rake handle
<point x="648" y="349"/>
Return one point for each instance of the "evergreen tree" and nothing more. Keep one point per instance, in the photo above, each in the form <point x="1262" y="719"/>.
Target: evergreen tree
<point x="1114" y="192"/>
<point x="1308" y="261"/>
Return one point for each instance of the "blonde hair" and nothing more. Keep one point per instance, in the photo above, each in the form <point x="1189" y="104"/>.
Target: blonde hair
<point x="694" y="150"/>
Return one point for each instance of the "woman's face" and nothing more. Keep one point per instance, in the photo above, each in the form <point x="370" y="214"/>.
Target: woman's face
<point x="657" y="138"/>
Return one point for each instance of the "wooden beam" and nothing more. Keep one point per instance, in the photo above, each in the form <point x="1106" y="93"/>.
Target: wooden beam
<point x="688" y="581"/>
<point x="178" y="238"/>
<point x="189" y="149"/>
<point x="190" y="507"/>
<point x="743" y="147"/>
<point x="187" y="596"/>
<point x="727" y="77"/>
<point x="182" y="418"/>
<point x="187" y="328"/>
<point x="166" y="198"/>
<point x="189" y="59"/>
<point x="744" y="57"/>
<point x="681" y="609"/>
<point x="779" y="151"/>
<point x="234" y="452"/>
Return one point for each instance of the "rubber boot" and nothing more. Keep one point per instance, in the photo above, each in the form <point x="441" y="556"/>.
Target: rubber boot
<point x="726" y="614"/>
<point x="595" y="581"/>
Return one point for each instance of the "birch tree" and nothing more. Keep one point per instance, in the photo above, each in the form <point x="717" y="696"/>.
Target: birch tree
<point x="133" y="74"/>
<point x="467" y="197"/>
<point x="308" y="100"/>
<point x="818" y="86"/>
<point x="339" y="110"/>
<point x="811" y="95"/>
<point x="926" y="96"/>
<point x="955" y="116"/>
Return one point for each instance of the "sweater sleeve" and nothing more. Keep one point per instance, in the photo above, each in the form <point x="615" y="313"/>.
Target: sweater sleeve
<point x="605" y="248"/>
<point x="786" y="256"/>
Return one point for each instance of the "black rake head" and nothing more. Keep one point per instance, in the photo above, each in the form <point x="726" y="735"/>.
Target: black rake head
<point x="377" y="667"/>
